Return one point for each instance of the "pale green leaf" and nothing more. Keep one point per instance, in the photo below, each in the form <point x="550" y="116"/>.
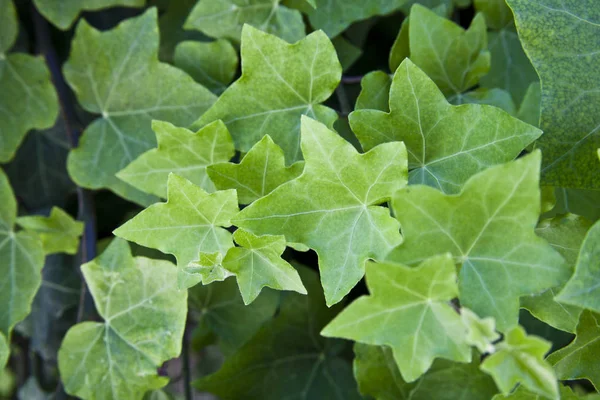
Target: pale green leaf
<point x="565" y="234"/>
<point x="64" y="12"/>
<point x="375" y="92"/>
<point x="28" y="98"/>
<point x="279" y="83"/>
<point x="287" y="358"/>
<point x="210" y="268"/>
<point x="182" y="152"/>
<point x="583" y="289"/>
<point x="261" y="170"/>
<point x="189" y="223"/>
<point x="125" y="83"/>
<point x="333" y="206"/>
<point x="446" y="144"/>
<point x="481" y="333"/>
<point x="579" y="360"/>
<point x="144" y="317"/>
<point x="226" y="18"/>
<point x="489" y="229"/>
<point x="212" y="64"/>
<point x="21" y="260"/>
<point x="219" y="307"/>
<point x="409" y="311"/>
<point x="59" y="232"/>
<point x="521" y="393"/>
<point x="520" y="359"/>
<point x="561" y="39"/>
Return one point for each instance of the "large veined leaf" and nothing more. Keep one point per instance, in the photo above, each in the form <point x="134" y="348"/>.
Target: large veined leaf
<point x="561" y="39"/>
<point x="287" y="358"/>
<point x="583" y="289"/>
<point x="579" y="360"/>
<point x="520" y="359"/>
<point x="127" y="85"/>
<point x="409" y="311"/>
<point x="144" y="317"/>
<point x="190" y="222"/>
<point x="261" y="170"/>
<point x="279" y="83"/>
<point x="180" y="151"/>
<point x="64" y="12"/>
<point x="489" y="229"/>
<point x="446" y="144"/>
<point x="332" y="207"/>
<point x="28" y="98"/>
<point x="21" y="260"/>
<point x="59" y="232"/>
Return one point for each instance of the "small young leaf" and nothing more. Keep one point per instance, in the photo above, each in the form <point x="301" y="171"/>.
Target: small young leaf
<point x="375" y="92"/>
<point x="332" y="207"/>
<point x="189" y="223"/>
<point x="59" y="232"/>
<point x="279" y="83"/>
<point x="496" y="12"/>
<point x="210" y="268"/>
<point x="446" y="144"/>
<point x="144" y="318"/>
<point x="407" y="310"/>
<point x="182" y="152"/>
<point x="520" y="359"/>
<point x="488" y="228"/>
<point x="261" y="170"/>
<point x="481" y="333"/>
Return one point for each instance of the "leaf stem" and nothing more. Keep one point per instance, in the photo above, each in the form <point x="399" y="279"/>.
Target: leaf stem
<point x="351" y="80"/>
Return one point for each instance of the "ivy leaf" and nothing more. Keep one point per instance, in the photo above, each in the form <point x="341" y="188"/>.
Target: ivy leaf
<point x="347" y="52"/>
<point x="578" y="201"/>
<point x="225" y="19"/>
<point x="58" y="232"/>
<point x="182" y="152"/>
<point x="496" y="12"/>
<point x="375" y="92"/>
<point x="579" y="360"/>
<point x="212" y="64"/>
<point x="4" y="351"/>
<point x="520" y="359"/>
<point x="279" y="83"/>
<point x="144" y="318"/>
<point x="210" y="268"/>
<point x="583" y="289"/>
<point x="565" y="234"/>
<point x="287" y="357"/>
<point x="561" y="41"/>
<point x="28" y="99"/>
<point x="446" y="144"/>
<point x="129" y="87"/>
<point x="407" y="310"/>
<point x="523" y="394"/>
<point x="261" y="170"/>
<point x="332" y="207"/>
<point x="190" y="222"/>
<point x="63" y="13"/>
<point x="481" y="333"/>
<point x="258" y="264"/>
<point x="529" y="110"/>
<point x="172" y="17"/>
<point x="377" y="374"/>
<point x="488" y="228"/>
<point x="219" y="307"/>
<point x="21" y="260"/>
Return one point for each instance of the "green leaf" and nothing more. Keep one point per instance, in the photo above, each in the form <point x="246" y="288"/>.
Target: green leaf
<point x="494" y="97"/>
<point x="579" y="360"/>
<point x="454" y="58"/>
<point x="182" y="152"/>
<point x="210" y="268"/>
<point x="446" y="144"/>
<point x="21" y="260"/>
<point x="578" y="201"/>
<point x="279" y="83"/>
<point x="220" y="308"/>
<point x="565" y="234"/>
<point x="481" y="333"/>
<point x="583" y="289"/>
<point x="377" y="374"/>
<point x="63" y="13"/>
<point x="4" y="351"/>
<point x="520" y="359"/>
<point x="144" y="318"/>
<point x="332" y="207"/>
<point x="212" y="64"/>
<point x="190" y="222"/>
<point x="58" y="232"/>
<point x="28" y="99"/>
<point x="496" y="12"/>
<point x="561" y="41"/>
<point x="226" y="18"/>
<point x="287" y="358"/>
<point x="172" y="17"/>
<point x="127" y="85"/>
<point x="257" y="263"/>
<point x="407" y="310"/>
<point x="347" y="52"/>
<point x="488" y="228"/>
<point x="529" y="111"/>
<point x="523" y="394"/>
<point x="261" y="171"/>
<point x="375" y="92"/>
